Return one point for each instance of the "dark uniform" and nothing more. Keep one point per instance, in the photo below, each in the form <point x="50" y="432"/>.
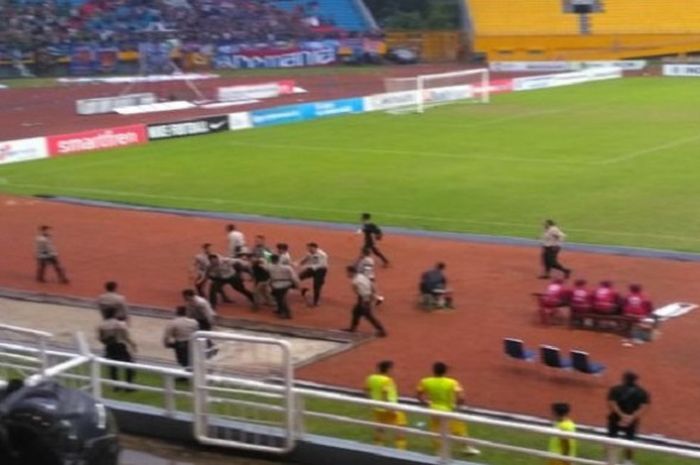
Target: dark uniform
<point x="114" y="334"/>
<point x="372" y="233"/>
<point x="629" y="399"/>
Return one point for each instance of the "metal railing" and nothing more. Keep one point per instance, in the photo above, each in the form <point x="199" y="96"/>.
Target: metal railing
<point x="351" y="412"/>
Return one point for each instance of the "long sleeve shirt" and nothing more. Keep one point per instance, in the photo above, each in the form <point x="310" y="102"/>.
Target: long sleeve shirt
<point x="363" y="287"/>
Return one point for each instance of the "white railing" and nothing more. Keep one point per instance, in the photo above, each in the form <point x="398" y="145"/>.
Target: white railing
<point x="223" y="389"/>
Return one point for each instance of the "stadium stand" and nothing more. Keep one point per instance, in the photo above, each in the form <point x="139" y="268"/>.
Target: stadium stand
<point x="28" y="24"/>
<point x="542" y="30"/>
<point x="345" y="14"/>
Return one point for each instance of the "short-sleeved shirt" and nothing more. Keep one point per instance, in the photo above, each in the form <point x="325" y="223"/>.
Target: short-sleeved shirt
<point x="180" y="329"/>
<point x="441" y="392"/>
<point x="553" y="237"/>
<point x="555" y="442"/>
<point x="629" y="399"/>
<point x="382" y="387"/>
<point x="362" y="286"/>
<point x="44" y="247"/>
<point x="366" y="266"/>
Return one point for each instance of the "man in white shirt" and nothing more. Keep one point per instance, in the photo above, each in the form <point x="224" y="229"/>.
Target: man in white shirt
<point x="366" y="266"/>
<point x="364" y="290"/>
<point x="199" y="309"/>
<point x="236" y="240"/>
<point x="552" y="239"/>
<point x="315" y="266"/>
<point x="282" y="279"/>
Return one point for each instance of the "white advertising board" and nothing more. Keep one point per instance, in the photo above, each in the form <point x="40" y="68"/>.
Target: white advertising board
<point x="12" y="151"/>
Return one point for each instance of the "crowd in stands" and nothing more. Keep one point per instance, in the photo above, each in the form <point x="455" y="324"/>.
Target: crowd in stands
<point x="29" y="25"/>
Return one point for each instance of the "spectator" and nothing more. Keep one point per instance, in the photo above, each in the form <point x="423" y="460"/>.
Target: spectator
<point x="605" y="299"/>
<point x="113" y="300"/>
<point x="433" y="287"/>
<point x="628" y="403"/>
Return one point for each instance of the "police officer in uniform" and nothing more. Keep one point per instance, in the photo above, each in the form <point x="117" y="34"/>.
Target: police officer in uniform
<point x="115" y="336"/>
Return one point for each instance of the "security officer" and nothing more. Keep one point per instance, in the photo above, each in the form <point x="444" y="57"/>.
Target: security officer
<point x="115" y="336"/>
<point x="177" y="335"/>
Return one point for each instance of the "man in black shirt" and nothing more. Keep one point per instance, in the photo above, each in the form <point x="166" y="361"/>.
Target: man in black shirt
<point x="372" y="233"/>
<point x="628" y="402"/>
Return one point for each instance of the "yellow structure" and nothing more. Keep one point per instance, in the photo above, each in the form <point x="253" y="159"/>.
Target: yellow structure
<point x="541" y="30"/>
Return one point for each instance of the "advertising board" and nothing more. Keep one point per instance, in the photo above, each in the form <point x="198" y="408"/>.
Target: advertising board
<point x="98" y="139"/>
<point x="195" y="127"/>
<point x="682" y="70"/>
<point x="98" y="106"/>
<point x="12" y="151"/>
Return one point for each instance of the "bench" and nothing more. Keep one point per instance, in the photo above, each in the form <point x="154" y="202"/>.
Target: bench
<point x="616" y="323"/>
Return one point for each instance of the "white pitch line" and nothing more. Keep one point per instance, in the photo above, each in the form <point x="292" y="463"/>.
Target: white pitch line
<point x="285" y="207"/>
<point x="331" y="150"/>
<point x="647" y="151"/>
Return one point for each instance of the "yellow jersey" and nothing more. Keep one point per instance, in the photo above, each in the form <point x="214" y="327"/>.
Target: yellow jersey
<point x="441" y="391"/>
<point x="382" y="387"/>
<point x="555" y="442"/>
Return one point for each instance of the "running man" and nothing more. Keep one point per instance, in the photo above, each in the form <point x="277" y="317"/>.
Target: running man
<point x="364" y="290"/>
<point x="381" y="386"/>
<point x="552" y="239"/>
<point x="372" y="233"/>
<point x="444" y="394"/>
<point x="46" y="255"/>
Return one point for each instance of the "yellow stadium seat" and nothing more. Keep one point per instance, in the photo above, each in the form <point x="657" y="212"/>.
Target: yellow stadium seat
<point x="541" y="30"/>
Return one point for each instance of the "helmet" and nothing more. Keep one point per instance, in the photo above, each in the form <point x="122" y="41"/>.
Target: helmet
<point x="49" y="424"/>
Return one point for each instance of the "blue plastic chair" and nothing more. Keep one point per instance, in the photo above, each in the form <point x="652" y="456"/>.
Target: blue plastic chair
<point x="515" y="348"/>
<point x="581" y="362"/>
<point x="551" y="356"/>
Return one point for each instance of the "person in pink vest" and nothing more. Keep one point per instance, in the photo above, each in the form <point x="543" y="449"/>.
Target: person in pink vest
<point x="581" y="300"/>
<point x="636" y="304"/>
<point x="605" y="299"/>
<point x="555" y="296"/>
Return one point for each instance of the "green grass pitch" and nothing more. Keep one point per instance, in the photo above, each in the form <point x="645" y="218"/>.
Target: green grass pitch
<point x="615" y="162"/>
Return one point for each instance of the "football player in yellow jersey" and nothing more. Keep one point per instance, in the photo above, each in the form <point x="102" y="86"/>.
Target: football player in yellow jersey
<point x="558" y="445"/>
<point x="442" y="393"/>
<point x="380" y="386"/>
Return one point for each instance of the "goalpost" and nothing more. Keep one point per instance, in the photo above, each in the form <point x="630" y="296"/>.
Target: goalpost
<point x="429" y="90"/>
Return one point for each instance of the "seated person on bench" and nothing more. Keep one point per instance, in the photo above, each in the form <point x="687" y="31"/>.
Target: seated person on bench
<point x="555" y="296"/>
<point x="606" y="301"/>
<point x="636" y="304"/>
<point x="581" y="300"/>
<point x="433" y="287"/>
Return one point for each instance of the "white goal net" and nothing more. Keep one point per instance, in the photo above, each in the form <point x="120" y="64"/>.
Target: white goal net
<point x="428" y="90"/>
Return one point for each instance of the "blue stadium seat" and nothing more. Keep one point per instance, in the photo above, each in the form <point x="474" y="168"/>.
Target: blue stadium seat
<point x="515" y="348"/>
<point x="345" y="14"/>
<point x="581" y="362"/>
<point x="551" y="356"/>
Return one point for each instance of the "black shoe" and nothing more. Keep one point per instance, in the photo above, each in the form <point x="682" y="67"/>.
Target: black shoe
<point x="543" y="276"/>
<point x="304" y="291"/>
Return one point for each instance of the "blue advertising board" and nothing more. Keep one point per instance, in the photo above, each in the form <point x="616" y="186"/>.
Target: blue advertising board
<point x="306" y="111"/>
